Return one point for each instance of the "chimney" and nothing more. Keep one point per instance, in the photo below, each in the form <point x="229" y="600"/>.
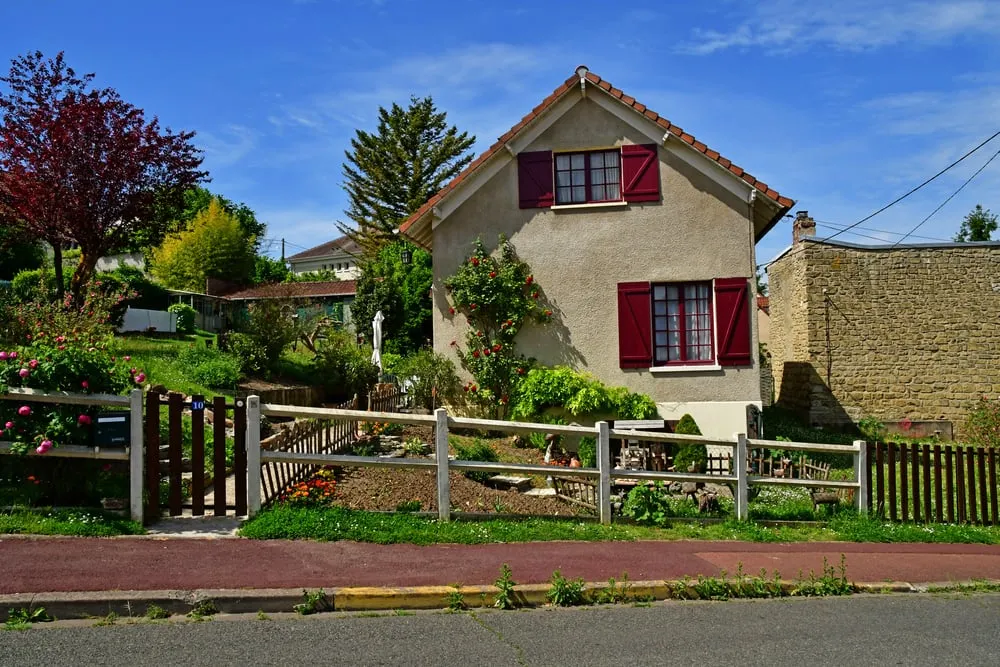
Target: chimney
<point x="803" y="227"/>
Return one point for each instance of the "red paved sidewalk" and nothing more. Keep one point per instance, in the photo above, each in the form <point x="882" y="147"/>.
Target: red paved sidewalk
<point x="36" y="565"/>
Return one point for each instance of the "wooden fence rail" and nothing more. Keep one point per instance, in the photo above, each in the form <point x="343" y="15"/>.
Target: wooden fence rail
<point x="924" y="483"/>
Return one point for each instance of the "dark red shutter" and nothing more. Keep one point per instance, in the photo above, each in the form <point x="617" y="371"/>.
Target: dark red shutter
<point x="635" y="338"/>
<point x="640" y="173"/>
<point x="732" y="321"/>
<point x="534" y="179"/>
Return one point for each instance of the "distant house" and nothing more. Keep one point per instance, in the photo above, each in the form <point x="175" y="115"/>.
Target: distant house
<point x="641" y="237"/>
<point x="333" y="298"/>
<point x="339" y="255"/>
<point x="905" y="333"/>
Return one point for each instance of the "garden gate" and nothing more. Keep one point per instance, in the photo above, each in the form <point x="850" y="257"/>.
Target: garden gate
<point x="185" y="458"/>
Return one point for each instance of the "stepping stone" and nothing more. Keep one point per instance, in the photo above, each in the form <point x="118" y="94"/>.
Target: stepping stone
<point x="540" y="492"/>
<point x="511" y="482"/>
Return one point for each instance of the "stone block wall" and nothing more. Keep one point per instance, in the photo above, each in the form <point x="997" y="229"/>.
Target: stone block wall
<point x="902" y="333"/>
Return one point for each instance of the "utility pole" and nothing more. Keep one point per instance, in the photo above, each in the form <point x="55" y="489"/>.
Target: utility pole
<point x="282" y="250"/>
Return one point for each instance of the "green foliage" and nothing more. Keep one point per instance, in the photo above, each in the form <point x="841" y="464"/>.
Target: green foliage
<point x="401" y="292"/>
<point x="319" y="276"/>
<point x="455" y="601"/>
<point x="156" y="612"/>
<point x="830" y="582"/>
<point x="312" y="602"/>
<point x="25" y="616"/>
<point x="579" y="394"/>
<point x="146" y="293"/>
<point x="79" y="522"/>
<point x="479" y="450"/>
<point x="391" y="172"/>
<point x="267" y="270"/>
<point x="693" y="453"/>
<point x="185" y="317"/>
<point x="871" y="428"/>
<point x="433" y="377"/>
<point x="505" y="596"/>
<point x="565" y="592"/>
<point x="210" y="367"/>
<point x="343" y="368"/>
<point x="414" y="446"/>
<point x="409" y="506"/>
<point x="202" y="609"/>
<point x="251" y="355"/>
<point x="270" y="330"/>
<point x="497" y="296"/>
<point x="982" y="427"/>
<point x="978" y="225"/>
<point x="17" y="255"/>
<point x="214" y="246"/>
<point x="33" y="285"/>
<point x="588" y="452"/>
<point x="615" y="592"/>
<point x="648" y="505"/>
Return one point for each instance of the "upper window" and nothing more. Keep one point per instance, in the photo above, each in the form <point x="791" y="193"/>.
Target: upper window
<point x="594" y="176"/>
<point x="682" y="323"/>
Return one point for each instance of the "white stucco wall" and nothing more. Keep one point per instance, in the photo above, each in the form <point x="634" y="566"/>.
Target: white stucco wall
<point x="329" y="264"/>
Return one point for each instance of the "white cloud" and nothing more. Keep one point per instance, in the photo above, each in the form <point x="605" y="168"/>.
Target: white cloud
<point x="849" y="25"/>
<point x="227" y="146"/>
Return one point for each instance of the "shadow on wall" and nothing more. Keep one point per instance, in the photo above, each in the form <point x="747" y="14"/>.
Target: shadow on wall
<point x="805" y="393"/>
<point x="551" y="343"/>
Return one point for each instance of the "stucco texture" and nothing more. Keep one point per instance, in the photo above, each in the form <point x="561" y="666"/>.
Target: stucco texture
<point x="698" y="231"/>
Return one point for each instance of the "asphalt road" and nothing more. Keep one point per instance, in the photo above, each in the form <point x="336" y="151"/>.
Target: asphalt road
<point x="867" y="630"/>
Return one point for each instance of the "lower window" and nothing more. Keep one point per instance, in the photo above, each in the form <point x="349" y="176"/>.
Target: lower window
<point x="682" y="323"/>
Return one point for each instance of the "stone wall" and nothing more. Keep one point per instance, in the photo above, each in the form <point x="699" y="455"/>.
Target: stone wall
<point x="910" y="333"/>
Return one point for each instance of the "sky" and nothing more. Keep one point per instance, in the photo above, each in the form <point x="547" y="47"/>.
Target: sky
<point x="842" y="105"/>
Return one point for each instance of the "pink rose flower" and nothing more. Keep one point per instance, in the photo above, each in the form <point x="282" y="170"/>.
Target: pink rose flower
<point x="33" y="363"/>
<point x="45" y="446"/>
<point x="85" y="384"/>
<point x="3" y="356"/>
<point x="24" y="372"/>
<point x="24" y="411"/>
<point x="127" y="358"/>
<point x="140" y="378"/>
<point x="84" y="420"/>
<point x="12" y="355"/>
<point x="9" y="425"/>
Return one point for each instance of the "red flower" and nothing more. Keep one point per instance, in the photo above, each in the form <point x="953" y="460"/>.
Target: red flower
<point x="486" y="352"/>
<point x="520" y="371"/>
<point x="475" y="353"/>
<point x="451" y="311"/>
<point x="472" y="306"/>
<point x="475" y="261"/>
<point x="548" y="313"/>
<point x="496" y="348"/>
<point x="493" y="274"/>
<point x="534" y="295"/>
<point x="529" y="280"/>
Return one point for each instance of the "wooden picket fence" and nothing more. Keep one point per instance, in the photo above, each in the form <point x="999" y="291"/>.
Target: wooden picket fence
<point x="934" y="483"/>
<point x="385" y="398"/>
<point x="314" y="436"/>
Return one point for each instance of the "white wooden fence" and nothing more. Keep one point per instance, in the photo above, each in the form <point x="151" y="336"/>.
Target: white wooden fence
<point x="133" y="453"/>
<point x="604" y="473"/>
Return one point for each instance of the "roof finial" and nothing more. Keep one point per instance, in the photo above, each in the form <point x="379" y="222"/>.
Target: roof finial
<point x="582" y="70"/>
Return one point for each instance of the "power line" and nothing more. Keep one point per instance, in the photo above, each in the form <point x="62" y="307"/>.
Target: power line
<point x="950" y="197"/>
<point x="841" y="226"/>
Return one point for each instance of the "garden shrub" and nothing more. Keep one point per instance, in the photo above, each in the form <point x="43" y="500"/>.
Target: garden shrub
<point x="479" y="450"/>
<point x="249" y="354"/>
<point x="343" y="368"/>
<point x="271" y="329"/>
<point x="982" y="427"/>
<point x="33" y="285"/>
<point x="648" y="505"/>
<point x="693" y="453"/>
<point x="579" y="394"/>
<point x="211" y="367"/>
<point x="588" y="452"/>
<point x="433" y="377"/>
<point x="496" y="296"/>
<point x="185" y="317"/>
<point x="146" y="293"/>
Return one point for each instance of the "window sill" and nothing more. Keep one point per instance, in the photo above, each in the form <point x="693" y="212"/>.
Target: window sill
<point x="690" y="368"/>
<point x="600" y="204"/>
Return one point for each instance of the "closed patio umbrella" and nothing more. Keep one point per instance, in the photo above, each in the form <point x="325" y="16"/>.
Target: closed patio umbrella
<point x="377" y="339"/>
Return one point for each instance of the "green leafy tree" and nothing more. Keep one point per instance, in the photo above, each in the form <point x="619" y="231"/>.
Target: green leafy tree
<point x="17" y="255"/>
<point x="267" y="270"/>
<point x="693" y="454"/>
<point x="978" y="225"/>
<point x="392" y="172"/>
<point x="401" y="292"/>
<point x="213" y="247"/>
<point x="176" y="216"/>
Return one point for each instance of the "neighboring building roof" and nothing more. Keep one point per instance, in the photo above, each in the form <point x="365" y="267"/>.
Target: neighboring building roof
<point x="763" y="303"/>
<point x="295" y="290"/>
<point x="904" y="246"/>
<point x="574" y="81"/>
<point x="340" y="245"/>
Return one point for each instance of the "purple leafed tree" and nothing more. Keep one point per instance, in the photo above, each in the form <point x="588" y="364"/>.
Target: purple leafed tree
<point x="81" y="164"/>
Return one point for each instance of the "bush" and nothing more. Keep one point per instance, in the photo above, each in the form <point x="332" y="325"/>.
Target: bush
<point x="146" y="293"/>
<point x="479" y="450"/>
<point x="34" y="285"/>
<point x="270" y="327"/>
<point x="579" y="394"/>
<point x="982" y="428"/>
<point x="588" y="452"/>
<point x="693" y="453"/>
<point x="250" y="355"/>
<point x="433" y="377"/>
<point x="185" y="317"/>
<point x="212" y="368"/>
<point x="343" y="368"/>
<point x="649" y="506"/>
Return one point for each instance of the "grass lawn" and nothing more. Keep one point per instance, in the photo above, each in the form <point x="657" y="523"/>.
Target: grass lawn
<point x="79" y="522"/>
<point x="158" y="357"/>
<point x="336" y="523"/>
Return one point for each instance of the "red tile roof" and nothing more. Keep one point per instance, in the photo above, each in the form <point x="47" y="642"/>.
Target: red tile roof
<point x="295" y="290"/>
<point x="343" y="243"/>
<point x="763" y="303"/>
<point x="572" y="81"/>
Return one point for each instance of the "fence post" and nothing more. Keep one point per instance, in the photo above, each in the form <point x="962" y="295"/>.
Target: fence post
<point x="740" y="466"/>
<point x="135" y="456"/>
<point x="604" y="468"/>
<point x="441" y="455"/>
<point x="253" y="455"/>
<point x="861" y="477"/>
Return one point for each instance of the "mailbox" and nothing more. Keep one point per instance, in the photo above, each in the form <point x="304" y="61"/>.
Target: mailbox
<point x="112" y="428"/>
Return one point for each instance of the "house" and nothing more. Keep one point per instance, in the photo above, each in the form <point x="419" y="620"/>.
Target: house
<point x="641" y="237"/>
<point x="209" y="308"/>
<point x="333" y="298"/>
<point x="339" y="256"/>
<point x="906" y="333"/>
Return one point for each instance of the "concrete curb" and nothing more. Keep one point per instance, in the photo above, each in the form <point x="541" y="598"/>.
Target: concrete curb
<point x="133" y="604"/>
